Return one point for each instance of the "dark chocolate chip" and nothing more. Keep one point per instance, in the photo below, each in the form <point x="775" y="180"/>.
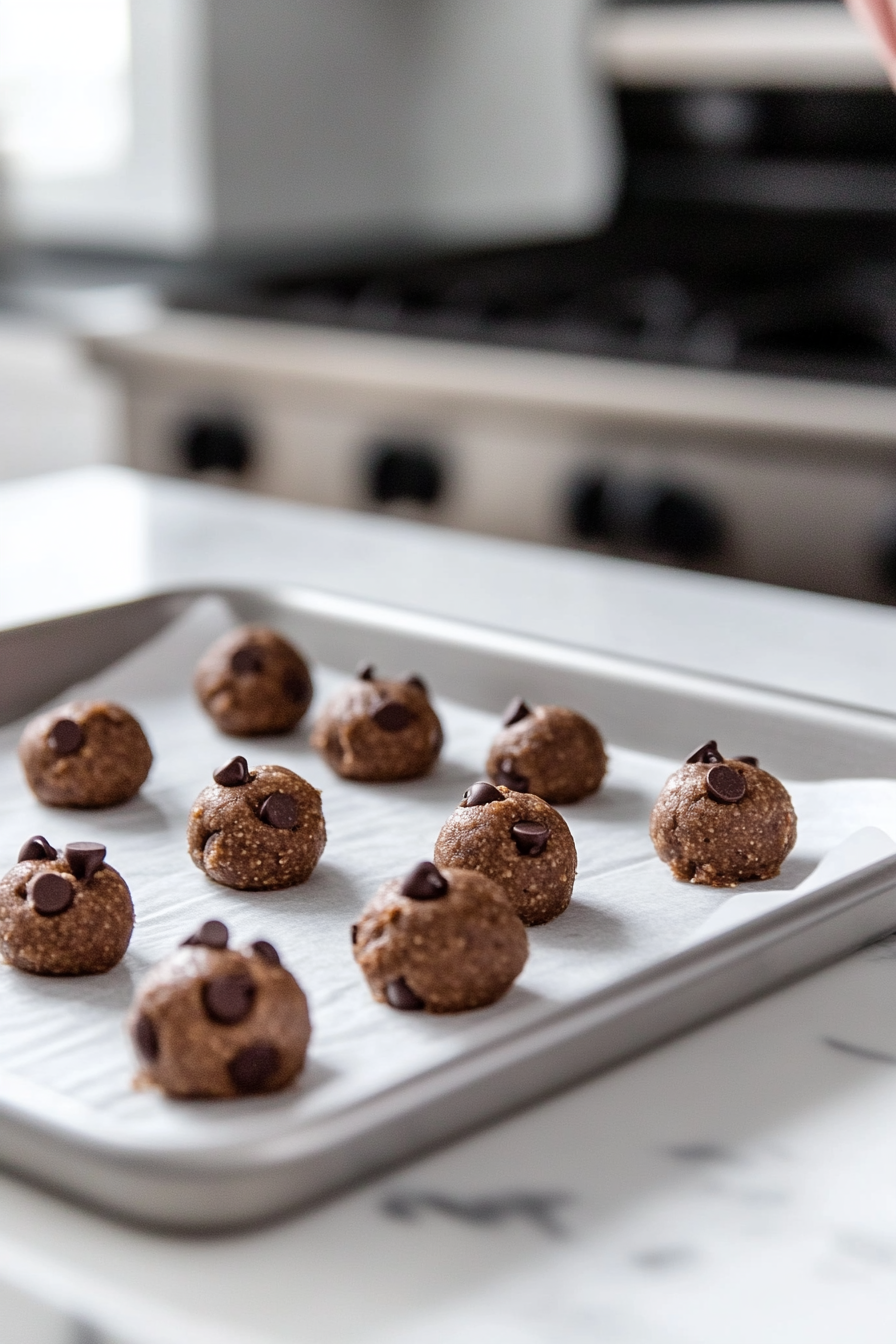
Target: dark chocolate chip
<point x="228" y="999"/>
<point x="253" y="1066"/>
<point x="725" y="785"/>
<point x="85" y="857"/>
<point x="506" y="775"/>
<point x="65" y="737"/>
<point x="516" y="710"/>
<point x="400" y="995"/>
<point x="267" y="951"/>
<point x="392" y="716"/>
<point x="36" y="848"/>
<point x="295" y="687"/>
<point x="708" y="754"/>
<point x="234" y="773"/>
<point x="365" y="672"/>
<point x="480" y="794"/>
<point x="748" y="760"/>
<point x="146" y="1038"/>
<point x="50" y="893"/>
<point x="530" y="837"/>
<point x="247" y="660"/>
<point x="424" y="883"/>
<point x="213" y="933"/>
<point x="413" y="680"/>
<point x="354" y="934"/>
<point x="280" y="810"/>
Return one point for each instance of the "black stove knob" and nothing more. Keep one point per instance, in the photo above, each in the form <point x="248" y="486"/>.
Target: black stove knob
<point x="645" y="515"/>
<point x="216" y="443"/>
<point x="398" y="470"/>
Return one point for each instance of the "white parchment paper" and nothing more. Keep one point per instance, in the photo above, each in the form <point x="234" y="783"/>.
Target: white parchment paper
<point x="63" y="1041"/>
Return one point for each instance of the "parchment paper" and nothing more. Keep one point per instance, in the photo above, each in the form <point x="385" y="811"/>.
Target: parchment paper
<point x="63" y="1041"/>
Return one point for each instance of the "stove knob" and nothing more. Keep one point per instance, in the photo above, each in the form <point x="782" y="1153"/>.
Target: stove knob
<point x="216" y="443"/>
<point x="645" y="515"/>
<point x="404" y="471"/>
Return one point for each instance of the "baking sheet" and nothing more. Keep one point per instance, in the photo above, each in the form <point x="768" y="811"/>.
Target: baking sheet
<point x="63" y="1041"/>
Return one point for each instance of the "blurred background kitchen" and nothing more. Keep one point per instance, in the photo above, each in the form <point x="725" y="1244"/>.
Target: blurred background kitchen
<point x="616" y="277"/>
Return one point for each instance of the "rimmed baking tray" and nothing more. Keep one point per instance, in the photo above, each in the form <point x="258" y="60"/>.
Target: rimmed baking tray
<point x="605" y="981"/>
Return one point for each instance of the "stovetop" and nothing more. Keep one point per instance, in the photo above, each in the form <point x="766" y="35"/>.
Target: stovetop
<point x="723" y="288"/>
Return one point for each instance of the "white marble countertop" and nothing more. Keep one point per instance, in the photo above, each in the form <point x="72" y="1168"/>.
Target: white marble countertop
<point x="734" y="1184"/>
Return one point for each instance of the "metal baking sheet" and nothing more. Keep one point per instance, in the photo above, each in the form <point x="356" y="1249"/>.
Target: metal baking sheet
<point x="607" y="979"/>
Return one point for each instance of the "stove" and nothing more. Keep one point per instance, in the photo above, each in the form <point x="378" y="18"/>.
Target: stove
<point x="709" y="382"/>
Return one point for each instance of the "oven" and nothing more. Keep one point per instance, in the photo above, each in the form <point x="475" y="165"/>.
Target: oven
<point x="710" y="381"/>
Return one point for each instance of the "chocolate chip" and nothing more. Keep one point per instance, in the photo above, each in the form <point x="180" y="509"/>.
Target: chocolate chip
<point x="480" y="794"/>
<point x="413" y="680"/>
<point x="400" y="995"/>
<point x="146" y="1038"/>
<point x="267" y="951"/>
<point x="748" y="760"/>
<point x="253" y="1066"/>
<point x="228" y="999"/>
<point x="85" y="857"/>
<point x="365" y="672"/>
<point x="354" y="934"/>
<point x="247" y="660"/>
<point x="295" y="687"/>
<point x="36" y="848"/>
<point x="530" y="837"/>
<point x="516" y="710"/>
<point x="424" y="883"/>
<point x="506" y="775"/>
<point x="392" y="716"/>
<point x="50" y="893"/>
<point x="65" y="737"/>
<point x="234" y="773"/>
<point x="213" y="933"/>
<point x="725" y="785"/>
<point x="708" y="754"/>
<point x="280" y="810"/>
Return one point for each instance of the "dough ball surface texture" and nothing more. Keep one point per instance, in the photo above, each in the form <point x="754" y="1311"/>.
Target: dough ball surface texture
<point x="460" y="950"/>
<point x="376" y="730"/>
<point x="550" y="751"/>
<point x="263" y="835"/>
<point x="519" y="841"/>
<point x="252" y="682"/>
<point x="717" y="843"/>
<point x="87" y="753"/>
<point x="48" y="931"/>
<point x="220" y="1022"/>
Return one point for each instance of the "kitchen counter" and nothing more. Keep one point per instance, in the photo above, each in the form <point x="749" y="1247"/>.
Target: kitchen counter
<point x="734" y="1184"/>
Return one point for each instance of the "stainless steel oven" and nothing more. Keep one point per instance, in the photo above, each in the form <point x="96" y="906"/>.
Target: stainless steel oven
<point x="710" y="381"/>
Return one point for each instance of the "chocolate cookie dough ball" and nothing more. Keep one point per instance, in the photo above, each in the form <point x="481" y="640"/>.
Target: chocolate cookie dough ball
<point x="89" y="753"/>
<point x="440" y="941"/>
<point x="252" y="682"/>
<point x="68" y="914"/>
<point x="718" y="822"/>
<point x="377" y="730"/>
<point x="516" y="840"/>
<point x="257" y="830"/>
<point x="215" y="1021"/>
<point x="550" y="751"/>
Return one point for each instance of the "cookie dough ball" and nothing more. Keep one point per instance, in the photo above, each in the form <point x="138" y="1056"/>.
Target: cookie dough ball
<point x="257" y="830"/>
<point x="252" y="682"/>
<point x="440" y="941"/>
<point x="551" y="751"/>
<point x="64" y="914"/>
<point x="516" y="840"/>
<point x="718" y="822"/>
<point x="88" y="753"/>
<point x="377" y="730"/>
<point x="215" y="1021"/>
